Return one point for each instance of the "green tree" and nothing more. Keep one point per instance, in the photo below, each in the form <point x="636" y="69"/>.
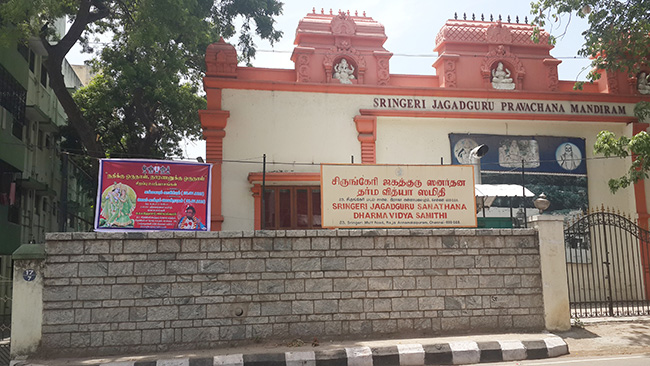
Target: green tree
<point x="617" y="40"/>
<point x="617" y="37"/>
<point x="146" y="99"/>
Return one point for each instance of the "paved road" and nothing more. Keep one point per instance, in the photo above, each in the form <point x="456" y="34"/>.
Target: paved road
<point x="626" y="360"/>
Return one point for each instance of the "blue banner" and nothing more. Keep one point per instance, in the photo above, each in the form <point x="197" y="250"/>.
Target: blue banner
<point x="542" y="154"/>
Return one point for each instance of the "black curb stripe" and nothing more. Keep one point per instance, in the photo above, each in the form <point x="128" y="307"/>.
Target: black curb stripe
<point x="331" y="358"/>
<point x="535" y="350"/>
<point x="265" y="359"/>
<point x="438" y="354"/>
<point x="490" y="351"/>
<point x="145" y="363"/>
<point x="202" y="361"/>
<point x="385" y="356"/>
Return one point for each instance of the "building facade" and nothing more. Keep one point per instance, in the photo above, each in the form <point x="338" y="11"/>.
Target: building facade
<point x="32" y="181"/>
<point x="340" y="104"/>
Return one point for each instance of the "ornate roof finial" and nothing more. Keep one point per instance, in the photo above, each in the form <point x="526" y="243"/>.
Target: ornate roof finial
<point x="491" y="18"/>
<point x="464" y="16"/>
<point x="455" y="16"/>
<point x="517" y="19"/>
<point x="313" y="10"/>
<point x="331" y="12"/>
<point x="526" y="19"/>
<point x="356" y="13"/>
<point x="322" y="11"/>
<point x="499" y="17"/>
<point x="482" y="17"/>
<point x="348" y="12"/>
<point x="364" y="13"/>
<point x="508" y="18"/>
<point x="473" y="16"/>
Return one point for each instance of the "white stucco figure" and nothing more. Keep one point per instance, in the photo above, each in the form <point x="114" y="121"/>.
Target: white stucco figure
<point x="501" y="78"/>
<point x="643" y="84"/>
<point x="344" y="72"/>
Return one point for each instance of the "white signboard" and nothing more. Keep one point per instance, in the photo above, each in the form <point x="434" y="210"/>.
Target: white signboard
<point x="397" y="196"/>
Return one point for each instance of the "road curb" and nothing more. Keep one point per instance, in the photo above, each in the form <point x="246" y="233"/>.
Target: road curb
<point x="456" y="353"/>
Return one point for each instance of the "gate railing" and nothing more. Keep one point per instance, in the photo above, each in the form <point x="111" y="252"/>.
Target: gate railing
<point x="608" y="258"/>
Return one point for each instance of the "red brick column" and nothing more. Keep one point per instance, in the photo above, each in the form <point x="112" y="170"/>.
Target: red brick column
<point x="214" y="125"/>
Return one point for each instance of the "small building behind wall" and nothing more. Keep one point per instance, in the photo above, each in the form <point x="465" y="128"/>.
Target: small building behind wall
<point x="492" y="84"/>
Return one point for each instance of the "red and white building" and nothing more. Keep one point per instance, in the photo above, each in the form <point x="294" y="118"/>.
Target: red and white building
<point x="340" y="102"/>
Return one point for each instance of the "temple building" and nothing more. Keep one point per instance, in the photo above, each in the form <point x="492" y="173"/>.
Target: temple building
<point x="340" y="104"/>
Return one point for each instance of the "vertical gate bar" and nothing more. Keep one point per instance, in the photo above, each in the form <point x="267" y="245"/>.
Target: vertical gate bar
<point x="614" y="228"/>
<point x="626" y="239"/>
<point x="608" y="268"/>
<point x="576" y="269"/>
<point x="635" y="280"/>
<point x="631" y="282"/>
<point x="579" y="271"/>
<point x="595" y="264"/>
<point x="601" y="270"/>
<point x="644" y="250"/>
<point x="567" y="259"/>
<point x="570" y="278"/>
<point x="590" y="282"/>
<point x="640" y="285"/>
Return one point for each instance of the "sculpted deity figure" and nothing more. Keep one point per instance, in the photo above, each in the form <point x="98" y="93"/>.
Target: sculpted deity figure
<point x="501" y="78"/>
<point x="344" y="72"/>
<point x="643" y="84"/>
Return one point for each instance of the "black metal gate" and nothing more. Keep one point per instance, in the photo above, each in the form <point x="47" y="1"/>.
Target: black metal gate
<point x="607" y="258"/>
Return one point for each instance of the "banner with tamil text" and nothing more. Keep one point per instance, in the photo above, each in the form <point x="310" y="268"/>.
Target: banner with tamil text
<point x="397" y="196"/>
<point x="147" y="195"/>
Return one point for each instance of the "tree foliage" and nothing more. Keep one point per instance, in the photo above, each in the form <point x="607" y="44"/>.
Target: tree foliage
<point x="618" y="39"/>
<point x="145" y="99"/>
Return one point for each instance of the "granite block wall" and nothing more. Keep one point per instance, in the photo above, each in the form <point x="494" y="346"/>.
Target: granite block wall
<point x="139" y="292"/>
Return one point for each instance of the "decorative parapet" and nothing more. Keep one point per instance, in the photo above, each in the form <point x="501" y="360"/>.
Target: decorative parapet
<point x="463" y="31"/>
<point x="221" y="60"/>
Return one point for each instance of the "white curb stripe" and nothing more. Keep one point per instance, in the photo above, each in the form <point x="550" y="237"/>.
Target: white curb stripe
<point x="556" y="346"/>
<point x="359" y="356"/>
<point x="229" y="360"/>
<point x="307" y="358"/>
<point x="512" y="350"/>
<point x="174" y="362"/>
<point x="410" y="354"/>
<point x="465" y="352"/>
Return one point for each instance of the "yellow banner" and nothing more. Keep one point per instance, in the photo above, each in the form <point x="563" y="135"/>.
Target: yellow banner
<point x="397" y="196"/>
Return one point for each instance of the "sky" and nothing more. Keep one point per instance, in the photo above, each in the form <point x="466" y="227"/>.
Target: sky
<point x="411" y="27"/>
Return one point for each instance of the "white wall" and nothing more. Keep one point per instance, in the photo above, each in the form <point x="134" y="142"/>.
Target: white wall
<point x="306" y="128"/>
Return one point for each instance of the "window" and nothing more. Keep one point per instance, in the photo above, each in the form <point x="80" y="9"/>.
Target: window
<point x="23" y="50"/>
<point x="13" y="98"/>
<point x="43" y="75"/>
<point x="40" y="140"/>
<point x="17" y="129"/>
<point x="291" y="208"/>
<point x="32" y="61"/>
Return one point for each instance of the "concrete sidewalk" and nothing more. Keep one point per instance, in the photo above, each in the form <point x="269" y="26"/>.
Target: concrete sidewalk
<point x="415" y="351"/>
<point x="610" y="336"/>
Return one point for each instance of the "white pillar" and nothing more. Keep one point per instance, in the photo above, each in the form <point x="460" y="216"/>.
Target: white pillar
<point x="27" y="300"/>
<point x="555" y="290"/>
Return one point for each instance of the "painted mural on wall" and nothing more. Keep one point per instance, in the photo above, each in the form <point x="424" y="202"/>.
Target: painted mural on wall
<point x="152" y="195"/>
<point x="552" y="165"/>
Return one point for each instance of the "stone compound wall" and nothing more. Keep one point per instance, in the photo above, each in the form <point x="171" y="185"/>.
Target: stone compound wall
<point x="140" y="292"/>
